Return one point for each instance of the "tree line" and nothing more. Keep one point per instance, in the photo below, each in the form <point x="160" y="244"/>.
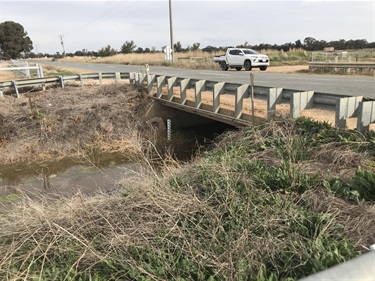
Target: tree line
<point x="15" y="43"/>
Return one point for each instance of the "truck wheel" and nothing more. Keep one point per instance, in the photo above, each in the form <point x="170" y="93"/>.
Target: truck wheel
<point x="224" y="66"/>
<point x="247" y="65"/>
<point x="263" y="68"/>
<point x="238" y="68"/>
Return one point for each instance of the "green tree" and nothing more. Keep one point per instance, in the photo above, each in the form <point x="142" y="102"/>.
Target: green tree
<point x="13" y="40"/>
<point x="310" y="43"/>
<point x="128" y="47"/>
<point x="107" y="51"/>
<point x="195" y="46"/>
<point x="177" y="47"/>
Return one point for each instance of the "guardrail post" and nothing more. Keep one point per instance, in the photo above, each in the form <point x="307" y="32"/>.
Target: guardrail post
<point x="199" y="87"/>
<point x="218" y="90"/>
<point x="40" y="71"/>
<point x="100" y="75"/>
<point x="80" y="79"/>
<point x="137" y="79"/>
<point x="160" y="82"/>
<point x="61" y="82"/>
<point x="183" y="87"/>
<point x="171" y="82"/>
<point x="14" y="83"/>
<point x="117" y="77"/>
<point x="132" y="78"/>
<point x="241" y="93"/>
<point x="300" y="101"/>
<point x="274" y="97"/>
<point x="366" y="115"/>
<point x="346" y="108"/>
<point x="150" y="82"/>
<point x="143" y="77"/>
<point x="40" y="74"/>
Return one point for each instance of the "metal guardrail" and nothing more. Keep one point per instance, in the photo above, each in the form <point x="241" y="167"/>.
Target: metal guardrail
<point x="344" y="67"/>
<point x="60" y="80"/>
<point x="344" y="107"/>
<point x="343" y="64"/>
<point x="24" y="67"/>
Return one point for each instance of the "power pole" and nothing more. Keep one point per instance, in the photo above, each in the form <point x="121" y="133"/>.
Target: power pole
<point x="62" y="43"/>
<point x="171" y="27"/>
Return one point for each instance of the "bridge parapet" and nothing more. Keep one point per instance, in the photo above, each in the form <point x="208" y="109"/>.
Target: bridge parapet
<point x="210" y="98"/>
<point x="296" y="101"/>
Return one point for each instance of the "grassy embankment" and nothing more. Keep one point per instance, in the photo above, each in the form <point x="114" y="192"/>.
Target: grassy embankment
<point x="276" y="202"/>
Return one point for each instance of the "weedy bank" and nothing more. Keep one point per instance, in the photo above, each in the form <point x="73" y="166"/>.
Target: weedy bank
<point x="71" y="122"/>
<point x="278" y="201"/>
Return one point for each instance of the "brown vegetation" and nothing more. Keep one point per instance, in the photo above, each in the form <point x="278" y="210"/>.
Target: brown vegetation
<point x="70" y="122"/>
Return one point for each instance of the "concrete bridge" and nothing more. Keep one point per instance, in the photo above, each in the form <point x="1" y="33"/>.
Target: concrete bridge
<point x="191" y="101"/>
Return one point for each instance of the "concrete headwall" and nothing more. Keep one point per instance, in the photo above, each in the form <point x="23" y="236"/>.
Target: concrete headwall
<point x="180" y="118"/>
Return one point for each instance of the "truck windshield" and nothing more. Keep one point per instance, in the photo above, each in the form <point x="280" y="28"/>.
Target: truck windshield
<point x="249" y="52"/>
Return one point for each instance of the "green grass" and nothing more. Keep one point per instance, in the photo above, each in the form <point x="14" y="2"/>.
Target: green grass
<point x="9" y="198"/>
<point x="257" y="206"/>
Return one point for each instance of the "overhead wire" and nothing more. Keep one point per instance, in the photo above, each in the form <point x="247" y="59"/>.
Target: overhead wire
<point x="104" y="16"/>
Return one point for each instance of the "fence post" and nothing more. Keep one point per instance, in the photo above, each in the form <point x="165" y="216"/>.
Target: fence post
<point x="366" y="115"/>
<point x="346" y="108"/>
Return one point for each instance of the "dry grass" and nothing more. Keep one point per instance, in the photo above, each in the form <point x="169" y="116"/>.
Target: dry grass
<point x="239" y="211"/>
<point x="193" y="59"/>
<point x="358" y="219"/>
<point x="71" y="122"/>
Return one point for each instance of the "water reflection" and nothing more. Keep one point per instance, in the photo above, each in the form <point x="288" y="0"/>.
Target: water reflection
<point x="100" y="173"/>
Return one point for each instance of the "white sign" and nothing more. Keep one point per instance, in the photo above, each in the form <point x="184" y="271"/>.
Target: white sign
<point x="168" y="53"/>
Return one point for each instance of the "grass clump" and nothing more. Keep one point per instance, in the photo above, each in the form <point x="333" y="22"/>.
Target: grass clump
<point x="258" y="206"/>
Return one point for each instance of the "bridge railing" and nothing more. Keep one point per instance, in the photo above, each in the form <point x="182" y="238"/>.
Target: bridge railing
<point x="344" y="107"/>
<point x="344" y="67"/>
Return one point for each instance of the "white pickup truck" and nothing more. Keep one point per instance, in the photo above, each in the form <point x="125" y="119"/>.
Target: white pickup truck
<point x="238" y="58"/>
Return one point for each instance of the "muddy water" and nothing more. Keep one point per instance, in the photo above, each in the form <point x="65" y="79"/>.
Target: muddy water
<point x="64" y="178"/>
<point x="100" y="173"/>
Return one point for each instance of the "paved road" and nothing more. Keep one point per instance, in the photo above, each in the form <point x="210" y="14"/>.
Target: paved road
<point x="334" y="84"/>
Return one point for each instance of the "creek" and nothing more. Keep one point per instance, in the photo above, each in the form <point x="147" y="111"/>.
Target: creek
<point x="96" y="174"/>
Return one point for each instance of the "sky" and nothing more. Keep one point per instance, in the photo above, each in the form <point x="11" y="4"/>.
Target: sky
<point x="95" y="24"/>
